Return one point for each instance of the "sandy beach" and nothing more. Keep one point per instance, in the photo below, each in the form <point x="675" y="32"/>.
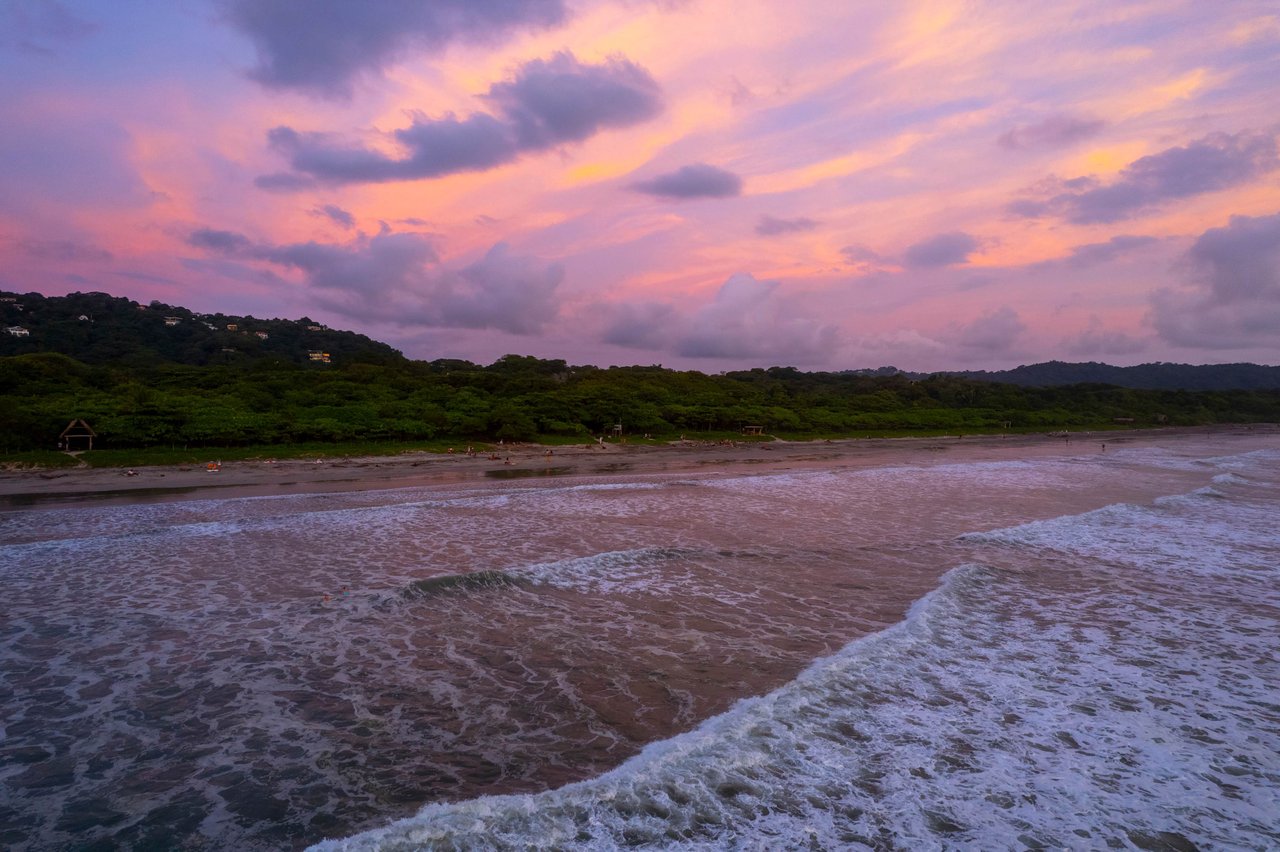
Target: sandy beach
<point x="20" y="488"/>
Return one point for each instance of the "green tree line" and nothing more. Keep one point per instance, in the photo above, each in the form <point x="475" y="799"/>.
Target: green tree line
<point x="276" y="401"/>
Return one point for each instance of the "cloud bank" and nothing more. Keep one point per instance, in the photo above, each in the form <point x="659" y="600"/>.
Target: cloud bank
<point x="698" y="180"/>
<point x="768" y="226"/>
<point x="1056" y="131"/>
<point x="400" y="278"/>
<point x="1233" y="298"/>
<point x="548" y="103"/>
<point x="747" y="319"/>
<point x="941" y="250"/>
<point x="322" y="46"/>
<point x="1217" y="161"/>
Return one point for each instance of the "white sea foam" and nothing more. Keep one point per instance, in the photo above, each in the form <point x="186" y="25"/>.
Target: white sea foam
<point x="1086" y="690"/>
<point x="174" y="670"/>
<point x="646" y="569"/>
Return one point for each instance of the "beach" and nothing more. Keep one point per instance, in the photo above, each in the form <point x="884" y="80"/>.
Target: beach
<point x="515" y="461"/>
<point x="926" y="643"/>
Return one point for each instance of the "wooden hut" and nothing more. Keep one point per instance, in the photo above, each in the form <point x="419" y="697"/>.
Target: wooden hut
<point x="77" y="431"/>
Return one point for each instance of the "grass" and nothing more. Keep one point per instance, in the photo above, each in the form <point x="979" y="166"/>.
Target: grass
<point x="36" y="459"/>
<point x="146" y="456"/>
<point x="142" y="457"/>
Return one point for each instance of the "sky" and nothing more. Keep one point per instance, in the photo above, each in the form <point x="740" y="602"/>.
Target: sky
<point x="701" y="184"/>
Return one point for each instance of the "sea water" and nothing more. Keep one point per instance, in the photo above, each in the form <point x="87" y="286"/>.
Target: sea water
<point x="1066" y="652"/>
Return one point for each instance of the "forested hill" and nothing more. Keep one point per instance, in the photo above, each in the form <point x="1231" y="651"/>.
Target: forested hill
<point x="161" y="376"/>
<point x="95" y="328"/>
<point x="1159" y="376"/>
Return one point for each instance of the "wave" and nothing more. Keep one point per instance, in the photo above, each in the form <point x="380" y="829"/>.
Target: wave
<point x="690" y="789"/>
<point x="619" y="571"/>
<point x="469" y="582"/>
<point x="1009" y="708"/>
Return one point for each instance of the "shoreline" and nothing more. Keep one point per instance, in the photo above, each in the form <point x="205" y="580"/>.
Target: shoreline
<point x="37" y="487"/>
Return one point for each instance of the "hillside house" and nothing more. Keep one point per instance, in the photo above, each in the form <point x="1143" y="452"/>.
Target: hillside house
<point x="262" y="335"/>
<point x="232" y="327"/>
<point x="318" y="356"/>
<point x="77" y="435"/>
<point x="172" y="321"/>
<point x="18" y="331"/>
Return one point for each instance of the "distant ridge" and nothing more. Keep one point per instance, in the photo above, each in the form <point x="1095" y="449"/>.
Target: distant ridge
<point x="1155" y="376"/>
<point x="96" y="328"/>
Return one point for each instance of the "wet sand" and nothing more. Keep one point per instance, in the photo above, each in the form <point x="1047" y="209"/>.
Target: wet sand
<point x="20" y="488"/>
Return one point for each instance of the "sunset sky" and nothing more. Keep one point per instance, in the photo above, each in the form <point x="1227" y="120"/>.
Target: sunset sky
<point x="704" y="185"/>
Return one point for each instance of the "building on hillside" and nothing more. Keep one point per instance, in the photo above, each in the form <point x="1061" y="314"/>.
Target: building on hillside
<point x="317" y="356"/>
<point x="18" y="331"/>
<point x="172" y="321"/>
<point x="315" y="328"/>
<point x="232" y="327"/>
<point x="77" y="433"/>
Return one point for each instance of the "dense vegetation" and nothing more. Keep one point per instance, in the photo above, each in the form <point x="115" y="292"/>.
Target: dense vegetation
<point x="99" y="329"/>
<point x="164" y="389"/>
<point x="522" y="398"/>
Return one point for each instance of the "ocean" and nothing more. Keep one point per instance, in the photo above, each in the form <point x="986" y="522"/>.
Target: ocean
<point x="1060" y="652"/>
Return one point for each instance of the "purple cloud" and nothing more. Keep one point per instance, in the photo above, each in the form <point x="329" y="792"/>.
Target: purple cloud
<point x="996" y="331"/>
<point x="1240" y="261"/>
<point x="1056" y="131"/>
<point x="1218" y="161"/>
<point x="548" y="103"/>
<point x="322" y="46"/>
<point x="284" y="182"/>
<point x="1233" y="300"/>
<point x="551" y="102"/>
<point x="337" y="215"/>
<point x="643" y="325"/>
<point x="747" y="320"/>
<point x="502" y="290"/>
<point x="857" y="254"/>
<point x="399" y="278"/>
<point x="698" y="180"/>
<point x="768" y="226"/>
<point x="35" y="23"/>
<point x="1096" y="341"/>
<point x="1093" y="254"/>
<point x="220" y="242"/>
<point x="942" y="250"/>
<point x="62" y="250"/>
<point x="376" y="267"/>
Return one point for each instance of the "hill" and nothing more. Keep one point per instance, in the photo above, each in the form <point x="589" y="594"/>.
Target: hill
<point x="98" y="329"/>
<point x="1157" y="376"/>
<point x="156" y="376"/>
